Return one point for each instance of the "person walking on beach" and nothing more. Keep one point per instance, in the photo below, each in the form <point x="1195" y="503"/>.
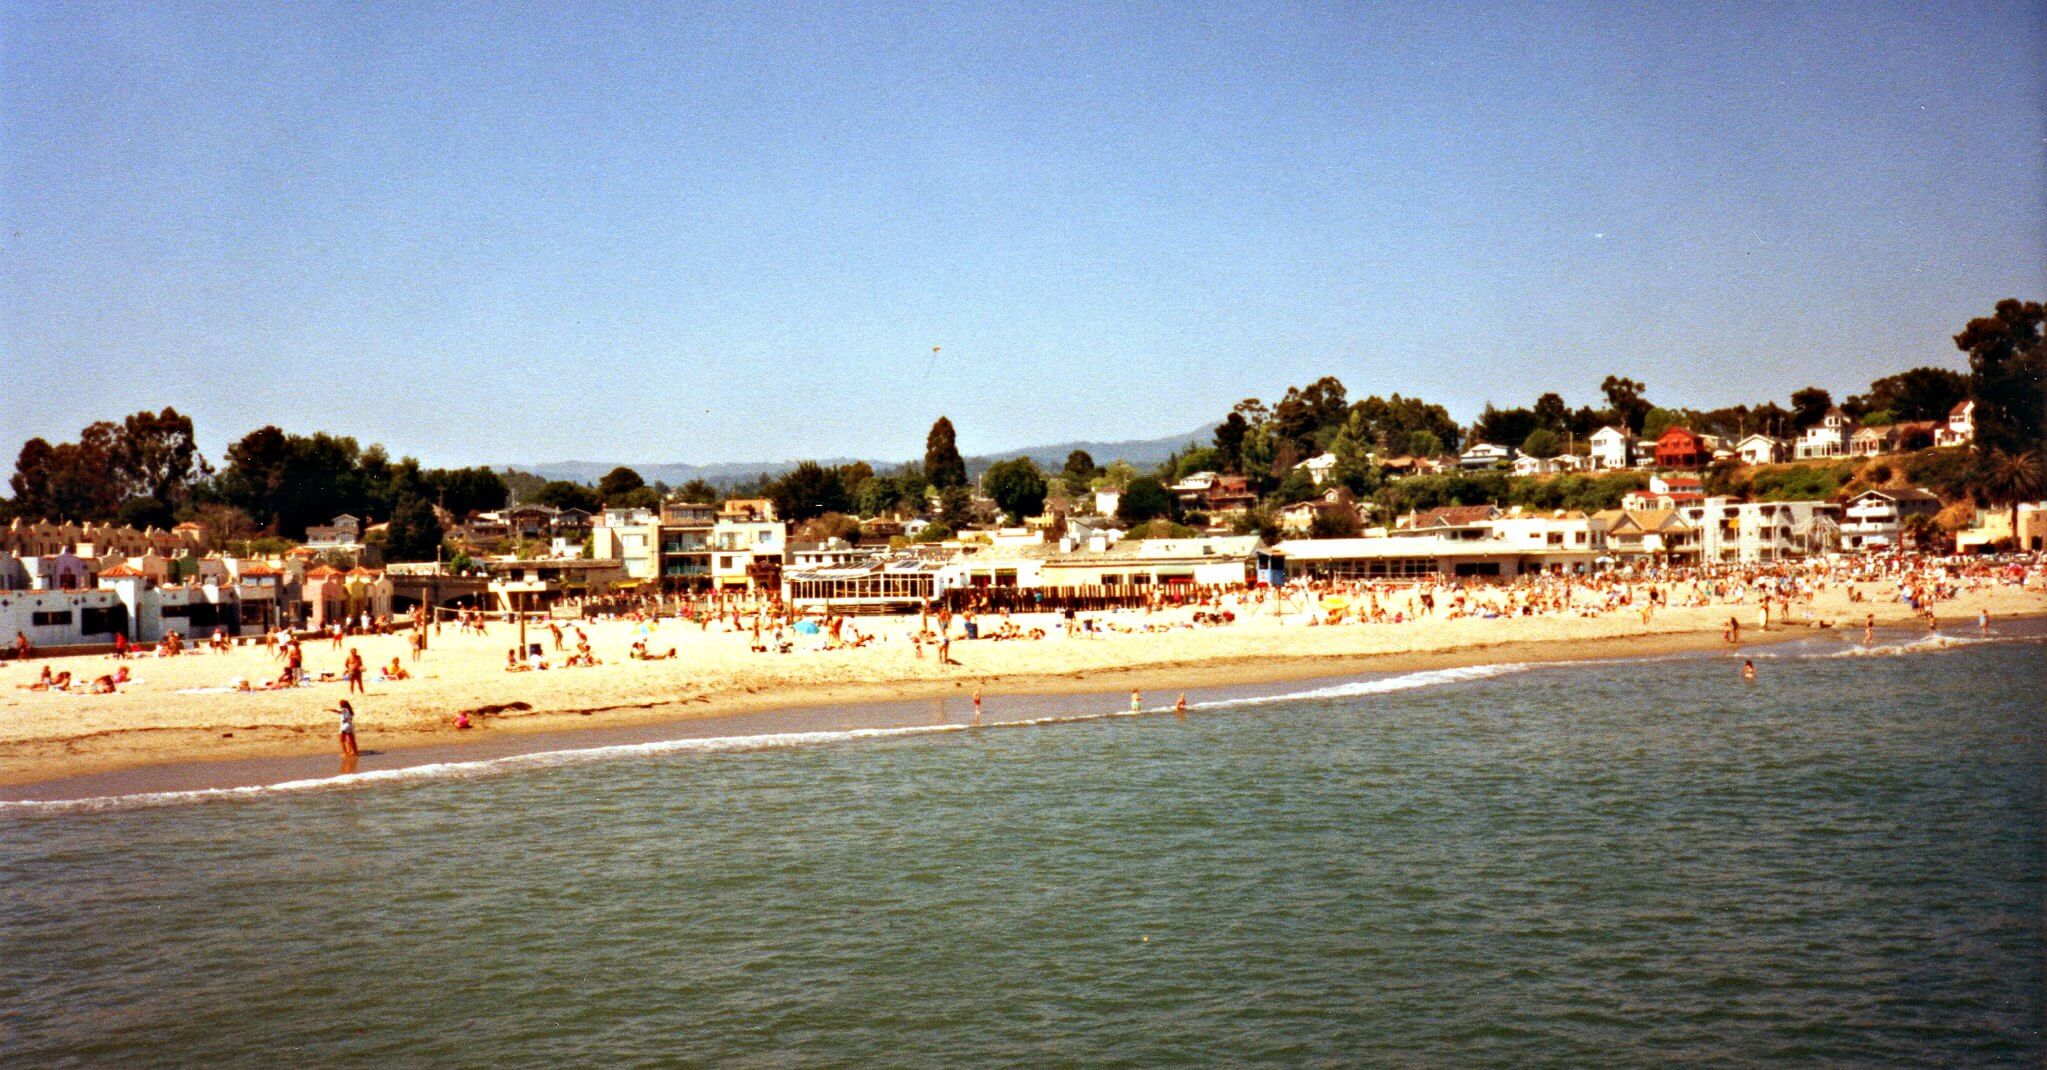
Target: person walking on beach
<point x="1983" y="621"/>
<point x="347" y="712"/>
<point x="1869" y="630"/>
<point x="352" y="669"/>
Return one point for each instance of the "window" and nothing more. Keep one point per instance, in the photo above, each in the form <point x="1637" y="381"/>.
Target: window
<point x="50" y="618"/>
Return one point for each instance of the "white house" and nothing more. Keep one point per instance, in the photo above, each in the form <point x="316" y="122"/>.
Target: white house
<point x="1107" y="499"/>
<point x="1759" y="449"/>
<point x="1319" y="467"/>
<point x="1961" y="426"/>
<point x="740" y="546"/>
<point x="1612" y="448"/>
<point x="1729" y="530"/>
<point x="1828" y="438"/>
<point x="1484" y="455"/>
<point x="1875" y="519"/>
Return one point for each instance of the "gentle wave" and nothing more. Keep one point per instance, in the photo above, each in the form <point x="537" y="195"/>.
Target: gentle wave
<point x="556" y="758"/>
<point x="1357" y="688"/>
<point x="1925" y="645"/>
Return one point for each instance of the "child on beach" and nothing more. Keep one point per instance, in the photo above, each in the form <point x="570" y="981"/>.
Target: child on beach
<point x="347" y="712"/>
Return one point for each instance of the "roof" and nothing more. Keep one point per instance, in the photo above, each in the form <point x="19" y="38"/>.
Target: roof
<point x="1454" y="516"/>
<point x="120" y="572"/>
<point x="256" y="568"/>
<point x="1906" y="494"/>
<point x="1962" y="407"/>
<point x="322" y="572"/>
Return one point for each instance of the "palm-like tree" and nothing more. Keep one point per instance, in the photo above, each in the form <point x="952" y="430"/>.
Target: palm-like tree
<point x="2008" y="478"/>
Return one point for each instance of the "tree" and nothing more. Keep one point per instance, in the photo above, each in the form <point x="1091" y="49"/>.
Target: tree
<point x="562" y="494"/>
<point x="1625" y="403"/>
<point x="955" y="508"/>
<point x="617" y="482"/>
<point x="1551" y="414"/>
<point x="522" y="486"/>
<point x="1144" y="499"/>
<point x="2005" y="478"/>
<point x="414" y="533"/>
<point x="1016" y="486"/>
<point x="1335" y="524"/>
<point x="829" y="526"/>
<point x="1229" y="440"/>
<point x="1917" y="394"/>
<point x="1505" y="426"/>
<point x="943" y="466"/>
<point x="70" y="480"/>
<point x="809" y="490"/>
<point x="1424" y="443"/>
<point x="1306" y="418"/>
<point x="155" y="455"/>
<point x="698" y="492"/>
<point x="1660" y="420"/>
<point x="1542" y="443"/>
<point x="2008" y="376"/>
<point x="145" y="513"/>
<point x="462" y="491"/>
<point x="1809" y="406"/>
<point x="637" y="498"/>
<point x="877" y="496"/>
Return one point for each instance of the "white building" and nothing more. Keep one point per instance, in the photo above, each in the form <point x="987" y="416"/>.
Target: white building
<point x="1107" y="499"/>
<point x="1730" y="530"/>
<point x="1875" y="519"/>
<point x="1828" y="438"/>
<point x="1484" y="455"/>
<point x="1961" y="426"/>
<point x="739" y="549"/>
<point x="1319" y="467"/>
<point x="1612" y="448"/>
<point x="1759" y="449"/>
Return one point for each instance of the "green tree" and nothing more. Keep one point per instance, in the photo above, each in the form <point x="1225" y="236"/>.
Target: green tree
<point x="1625" y="403"/>
<point x="809" y="490"/>
<point x="698" y="492"/>
<point x="956" y="508"/>
<point x="1660" y="420"/>
<point x="617" y="482"/>
<point x="414" y="533"/>
<point x="1505" y="426"/>
<point x="1809" y="406"/>
<point x="1917" y="394"/>
<point x="143" y="513"/>
<point x="2008" y="376"/>
<point x="1424" y="443"/>
<point x="1551" y="414"/>
<point x="155" y="455"/>
<point x="1542" y="443"/>
<point x="1144" y="499"/>
<point x="1229" y="440"/>
<point x="563" y="494"/>
<point x="2006" y="479"/>
<point x="943" y="466"/>
<point x="1335" y="524"/>
<point x="1016" y="486"/>
<point x="70" y="480"/>
<point x="637" y="498"/>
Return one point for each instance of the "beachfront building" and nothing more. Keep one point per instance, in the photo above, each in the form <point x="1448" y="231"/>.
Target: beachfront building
<point x="1612" y="448"/>
<point x="1214" y="560"/>
<point x="902" y="583"/>
<point x="1333" y="504"/>
<point x="1451" y="541"/>
<point x="62" y="618"/>
<point x="1829" y="437"/>
<point x="685" y="545"/>
<point x="1731" y="530"/>
<point x="1484" y="455"/>
<point x="539" y="583"/>
<point x="1875" y="519"/>
<point x="1992" y="529"/>
<point x="747" y="551"/>
<point x="1649" y="536"/>
<point x="1960" y="428"/>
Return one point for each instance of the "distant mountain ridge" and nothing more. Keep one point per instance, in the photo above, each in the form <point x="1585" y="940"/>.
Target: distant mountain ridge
<point x="1138" y="452"/>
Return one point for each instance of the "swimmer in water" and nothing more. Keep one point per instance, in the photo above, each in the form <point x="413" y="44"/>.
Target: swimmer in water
<point x="1748" y="670"/>
<point x="1983" y="621"/>
<point x="1180" y="707"/>
<point x="1136" y="701"/>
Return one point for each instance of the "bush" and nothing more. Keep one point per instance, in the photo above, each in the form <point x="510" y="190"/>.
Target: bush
<point x="1161" y="528"/>
<point x="1950" y="472"/>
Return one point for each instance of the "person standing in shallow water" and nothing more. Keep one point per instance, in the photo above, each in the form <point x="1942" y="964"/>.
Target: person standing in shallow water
<point x="347" y="712"/>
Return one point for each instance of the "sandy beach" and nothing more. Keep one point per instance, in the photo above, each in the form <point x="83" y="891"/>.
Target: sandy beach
<point x="179" y="709"/>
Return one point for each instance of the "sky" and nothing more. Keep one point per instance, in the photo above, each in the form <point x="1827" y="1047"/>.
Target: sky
<point x="676" y="233"/>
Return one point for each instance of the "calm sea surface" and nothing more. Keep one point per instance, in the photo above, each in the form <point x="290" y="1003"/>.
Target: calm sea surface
<point x="1619" y="864"/>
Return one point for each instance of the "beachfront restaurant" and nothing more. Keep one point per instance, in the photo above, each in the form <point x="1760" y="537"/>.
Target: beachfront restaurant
<point x="1411" y="557"/>
<point x="899" y="585"/>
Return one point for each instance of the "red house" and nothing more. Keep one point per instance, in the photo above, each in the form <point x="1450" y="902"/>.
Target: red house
<point x="1679" y="448"/>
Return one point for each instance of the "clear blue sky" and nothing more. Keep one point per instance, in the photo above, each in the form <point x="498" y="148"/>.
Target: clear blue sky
<point x="645" y="233"/>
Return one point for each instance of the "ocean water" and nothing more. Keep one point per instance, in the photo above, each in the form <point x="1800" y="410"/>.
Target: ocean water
<point x="1611" y="864"/>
